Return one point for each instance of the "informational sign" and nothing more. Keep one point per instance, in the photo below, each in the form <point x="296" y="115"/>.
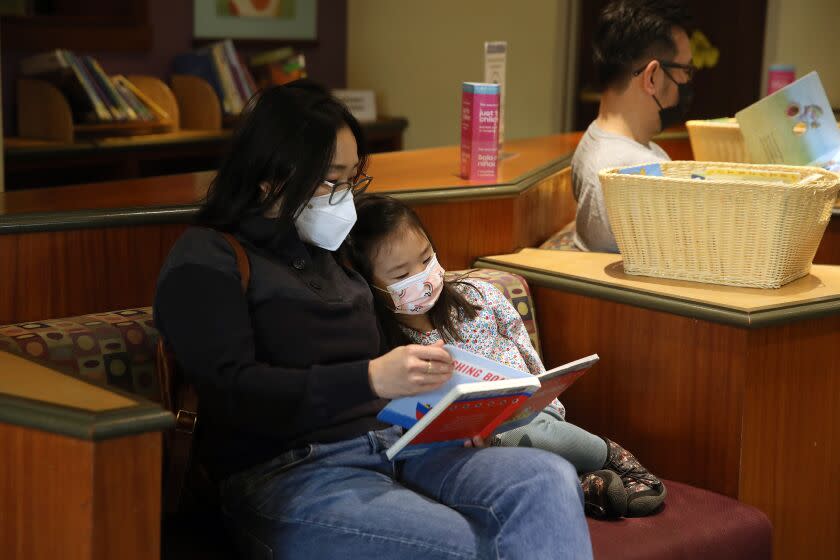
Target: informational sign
<point x="361" y="103"/>
<point x="495" y="61"/>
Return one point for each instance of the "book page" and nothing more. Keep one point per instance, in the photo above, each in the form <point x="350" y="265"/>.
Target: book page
<point x="793" y="126"/>
<point x="552" y="384"/>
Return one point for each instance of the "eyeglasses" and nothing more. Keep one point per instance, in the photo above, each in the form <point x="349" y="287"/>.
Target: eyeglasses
<point x="340" y="189"/>
<point x="687" y="68"/>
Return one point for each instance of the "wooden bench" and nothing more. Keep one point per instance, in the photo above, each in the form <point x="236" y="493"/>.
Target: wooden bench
<point x="116" y="349"/>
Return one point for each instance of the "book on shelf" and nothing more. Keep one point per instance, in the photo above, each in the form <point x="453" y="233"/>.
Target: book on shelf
<point x="220" y="65"/>
<point x="278" y="67"/>
<point x="481" y="398"/>
<point x="93" y="96"/>
<point x="249" y="77"/>
<point x="154" y="110"/>
<point x="44" y="63"/>
<point x="239" y="72"/>
<point x="143" y="113"/>
<point x="116" y="104"/>
<point x="61" y="68"/>
<point x="226" y="74"/>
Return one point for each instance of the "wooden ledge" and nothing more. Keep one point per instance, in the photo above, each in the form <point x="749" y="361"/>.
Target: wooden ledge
<point x="35" y="396"/>
<point x="600" y="275"/>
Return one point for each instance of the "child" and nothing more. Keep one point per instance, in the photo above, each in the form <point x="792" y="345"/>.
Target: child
<point x="391" y="249"/>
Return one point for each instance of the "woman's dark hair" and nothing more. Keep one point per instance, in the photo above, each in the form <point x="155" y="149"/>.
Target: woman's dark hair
<point x="285" y="138"/>
<point x="631" y="32"/>
<point x="379" y="217"/>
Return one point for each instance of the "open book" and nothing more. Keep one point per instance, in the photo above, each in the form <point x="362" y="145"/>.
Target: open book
<point x="483" y="397"/>
<point x="793" y="126"/>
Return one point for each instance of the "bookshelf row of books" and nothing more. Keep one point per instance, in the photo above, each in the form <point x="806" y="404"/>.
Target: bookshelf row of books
<point x="221" y="66"/>
<point x="93" y="95"/>
<point x="234" y="81"/>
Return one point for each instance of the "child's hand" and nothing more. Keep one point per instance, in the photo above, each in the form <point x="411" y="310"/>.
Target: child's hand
<point x="477" y="441"/>
<point x="409" y="370"/>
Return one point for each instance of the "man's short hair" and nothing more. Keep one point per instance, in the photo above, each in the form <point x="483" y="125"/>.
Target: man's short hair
<point x="630" y="32"/>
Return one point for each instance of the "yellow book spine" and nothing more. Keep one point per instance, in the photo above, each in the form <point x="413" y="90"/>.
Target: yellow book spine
<point x="156" y="109"/>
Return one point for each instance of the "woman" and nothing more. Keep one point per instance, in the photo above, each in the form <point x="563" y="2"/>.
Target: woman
<point x="292" y="374"/>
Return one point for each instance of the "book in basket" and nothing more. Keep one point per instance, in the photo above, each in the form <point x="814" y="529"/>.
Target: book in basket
<point x="483" y="397"/>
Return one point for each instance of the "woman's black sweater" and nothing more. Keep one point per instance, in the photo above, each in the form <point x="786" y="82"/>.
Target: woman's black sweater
<point x="278" y="368"/>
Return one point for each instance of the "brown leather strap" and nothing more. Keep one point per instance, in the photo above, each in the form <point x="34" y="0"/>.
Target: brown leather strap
<point x="242" y="262"/>
<point x="180" y="398"/>
<point x="180" y="446"/>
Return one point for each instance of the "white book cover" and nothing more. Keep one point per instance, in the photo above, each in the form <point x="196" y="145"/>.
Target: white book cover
<point x="793" y="126"/>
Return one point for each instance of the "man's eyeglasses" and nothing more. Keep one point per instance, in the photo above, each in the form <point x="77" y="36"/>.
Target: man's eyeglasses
<point x="340" y="189"/>
<point x="687" y="68"/>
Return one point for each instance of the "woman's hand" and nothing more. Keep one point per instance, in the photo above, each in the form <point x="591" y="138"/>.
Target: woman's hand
<point x="409" y="370"/>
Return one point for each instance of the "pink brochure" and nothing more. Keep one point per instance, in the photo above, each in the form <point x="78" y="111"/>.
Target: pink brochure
<point x="479" y="131"/>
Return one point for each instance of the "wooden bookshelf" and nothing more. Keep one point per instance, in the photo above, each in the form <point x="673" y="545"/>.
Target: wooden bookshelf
<point x="202" y="110"/>
<point x="44" y="113"/>
<point x="199" y="104"/>
<point x="52" y="150"/>
<point x="32" y="163"/>
<point x="92" y="25"/>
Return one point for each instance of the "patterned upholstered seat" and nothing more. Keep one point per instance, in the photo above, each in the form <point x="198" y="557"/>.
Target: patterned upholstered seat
<point x="563" y="240"/>
<point x="515" y="289"/>
<point x="116" y="348"/>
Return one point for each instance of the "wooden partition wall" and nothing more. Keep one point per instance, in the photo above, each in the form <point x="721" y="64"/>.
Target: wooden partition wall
<point x="90" y="248"/>
<point x="735" y="390"/>
<point x="81" y="472"/>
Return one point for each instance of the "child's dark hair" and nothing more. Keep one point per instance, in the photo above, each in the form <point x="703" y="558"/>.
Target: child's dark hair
<point x="379" y="217"/>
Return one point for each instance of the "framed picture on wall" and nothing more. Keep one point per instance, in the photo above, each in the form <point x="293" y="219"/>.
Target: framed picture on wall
<point x="262" y="20"/>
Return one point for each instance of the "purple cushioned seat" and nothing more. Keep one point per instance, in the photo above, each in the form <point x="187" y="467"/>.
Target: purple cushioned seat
<point x="694" y="524"/>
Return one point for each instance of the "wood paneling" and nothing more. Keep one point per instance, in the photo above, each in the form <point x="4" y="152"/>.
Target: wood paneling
<point x="465" y="230"/>
<point x="172" y="190"/>
<point x="829" y="249"/>
<point x="79" y="500"/>
<point x="63" y="273"/>
<point x="544" y="209"/>
<point x="46" y="486"/>
<point x="748" y="413"/>
<point x="461" y="230"/>
<point x="791" y="436"/>
<point x="668" y="388"/>
<point x="677" y="148"/>
<point x="127" y="497"/>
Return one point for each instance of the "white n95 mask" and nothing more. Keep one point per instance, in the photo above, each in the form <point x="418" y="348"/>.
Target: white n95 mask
<point x="326" y="225"/>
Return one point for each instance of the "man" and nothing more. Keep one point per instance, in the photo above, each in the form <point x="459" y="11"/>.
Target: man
<point x="643" y="62"/>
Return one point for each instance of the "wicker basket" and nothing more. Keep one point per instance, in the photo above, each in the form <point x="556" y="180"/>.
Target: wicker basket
<point x="738" y="233"/>
<point x="717" y="140"/>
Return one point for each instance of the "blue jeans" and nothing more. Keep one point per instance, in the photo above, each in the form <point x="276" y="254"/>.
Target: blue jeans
<point x="346" y="500"/>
